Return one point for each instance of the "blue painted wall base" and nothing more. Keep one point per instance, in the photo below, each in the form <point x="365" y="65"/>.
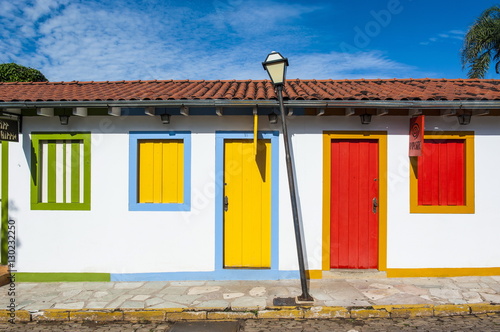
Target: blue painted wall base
<point x="208" y="275"/>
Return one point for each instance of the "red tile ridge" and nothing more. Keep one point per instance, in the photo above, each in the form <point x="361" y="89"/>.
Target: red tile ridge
<point x="222" y="90"/>
<point x="328" y="89"/>
<point x="240" y="92"/>
<point x="256" y="81"/>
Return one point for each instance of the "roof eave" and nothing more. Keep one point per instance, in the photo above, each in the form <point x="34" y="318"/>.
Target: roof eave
<point x="397" y="104"/>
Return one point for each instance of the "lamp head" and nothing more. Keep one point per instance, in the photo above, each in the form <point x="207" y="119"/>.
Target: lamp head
<point x="366" y="118"/>
<point x="273" y="118"/>
<point x="64" y="119"/>
<point x="275" y="65"/>
<point x="464" y="119"/>
<point x="165" y="118"/>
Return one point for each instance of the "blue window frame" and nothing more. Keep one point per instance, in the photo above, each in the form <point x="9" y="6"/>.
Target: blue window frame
<point x="141" y="139"/>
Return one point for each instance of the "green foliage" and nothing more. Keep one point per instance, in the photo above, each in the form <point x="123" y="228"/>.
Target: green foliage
<point x="11" y="72"/>
<point x="482" y="44"/>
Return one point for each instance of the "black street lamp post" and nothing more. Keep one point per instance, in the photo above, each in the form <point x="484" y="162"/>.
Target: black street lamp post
<point x="275" y="65"/>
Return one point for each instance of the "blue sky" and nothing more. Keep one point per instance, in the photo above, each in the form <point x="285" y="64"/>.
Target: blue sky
<point x="87" y="40"/>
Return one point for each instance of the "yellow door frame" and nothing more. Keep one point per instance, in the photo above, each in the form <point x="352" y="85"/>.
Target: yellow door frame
<point x="381" y="137"/>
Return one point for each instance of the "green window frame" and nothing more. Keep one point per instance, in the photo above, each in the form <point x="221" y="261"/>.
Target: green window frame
<point x="60" y="171"/>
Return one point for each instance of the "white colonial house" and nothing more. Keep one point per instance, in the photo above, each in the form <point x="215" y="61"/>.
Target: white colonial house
<point x="165" y="180"/>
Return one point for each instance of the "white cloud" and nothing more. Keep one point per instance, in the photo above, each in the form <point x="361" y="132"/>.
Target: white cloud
<point x="342" y="65"/>
<point x="145" y="39"/>
<point x="251" y="18"/>
<point x="40" y="8"/>
<point x="19" y="23"/>
<point x="452" y="34"/>
<point x="457" y="32"/>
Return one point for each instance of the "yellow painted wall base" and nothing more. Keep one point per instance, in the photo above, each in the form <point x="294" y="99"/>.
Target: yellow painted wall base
<point x="443" y="272"/>
<point x="314" y="274"/>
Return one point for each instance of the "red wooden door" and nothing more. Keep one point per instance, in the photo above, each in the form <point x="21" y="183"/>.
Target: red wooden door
<point x="354" y="204"/>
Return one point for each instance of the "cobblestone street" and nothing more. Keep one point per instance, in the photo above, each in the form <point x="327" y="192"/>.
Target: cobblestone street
<point x="483" y="323"/>
<point x="453" y="323"/>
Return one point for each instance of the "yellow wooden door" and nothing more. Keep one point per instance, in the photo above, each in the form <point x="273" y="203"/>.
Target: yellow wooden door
<point x="247" y="204"/>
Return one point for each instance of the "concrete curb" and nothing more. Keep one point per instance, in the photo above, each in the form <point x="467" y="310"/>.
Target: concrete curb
<point x="179" y="314"/>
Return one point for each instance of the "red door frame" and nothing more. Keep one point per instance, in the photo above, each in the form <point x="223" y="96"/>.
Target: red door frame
<point x="381" y="137"/>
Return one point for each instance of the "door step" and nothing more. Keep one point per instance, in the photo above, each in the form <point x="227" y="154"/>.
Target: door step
<point x="354" y="274"/>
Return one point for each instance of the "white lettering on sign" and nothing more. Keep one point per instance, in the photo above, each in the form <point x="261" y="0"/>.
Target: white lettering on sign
<point x="9" y="130"/>
<point x="6" y="136"/>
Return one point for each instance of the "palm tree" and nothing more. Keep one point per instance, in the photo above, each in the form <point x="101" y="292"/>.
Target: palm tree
<point x="482" y="44"/>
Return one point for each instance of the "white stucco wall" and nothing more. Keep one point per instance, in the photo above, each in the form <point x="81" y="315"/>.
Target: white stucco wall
<point x="109" y="238"/>
<point x="447" y="240"/>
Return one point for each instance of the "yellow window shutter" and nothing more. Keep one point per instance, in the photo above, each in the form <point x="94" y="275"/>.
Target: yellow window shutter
<point x="161" y="171"/>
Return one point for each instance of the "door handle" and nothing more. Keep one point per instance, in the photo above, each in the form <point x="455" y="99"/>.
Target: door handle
<point x="226" y="203"/>
<point x="374" y="205"/>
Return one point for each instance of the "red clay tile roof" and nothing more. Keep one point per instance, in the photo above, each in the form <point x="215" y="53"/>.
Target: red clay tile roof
<point x="375" y="89"/>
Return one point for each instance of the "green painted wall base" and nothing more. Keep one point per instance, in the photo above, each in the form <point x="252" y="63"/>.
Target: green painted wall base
<point x="61" y="277"/>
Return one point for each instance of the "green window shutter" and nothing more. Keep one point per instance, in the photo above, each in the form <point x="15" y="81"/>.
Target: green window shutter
<point x="60" y="171"/>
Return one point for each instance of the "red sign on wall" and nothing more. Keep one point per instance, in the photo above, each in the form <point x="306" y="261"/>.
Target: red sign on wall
<point x="416" y="135"/>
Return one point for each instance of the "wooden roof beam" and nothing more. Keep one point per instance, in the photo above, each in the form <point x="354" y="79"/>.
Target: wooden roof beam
<point x="150" y="110"/>
<point x="80" y="111"/>
<point x="115" y="111"/>
<point x="480" y="112"/>
<point x="415" y="111"/>
<point x="185" y="110"/>
<point x="382" y="111"/>
<point x="45" y="111"/>
<point x="449" y="112"/>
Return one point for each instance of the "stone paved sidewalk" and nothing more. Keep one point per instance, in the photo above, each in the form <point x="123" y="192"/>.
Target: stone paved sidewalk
<point x="251" y="295"/>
